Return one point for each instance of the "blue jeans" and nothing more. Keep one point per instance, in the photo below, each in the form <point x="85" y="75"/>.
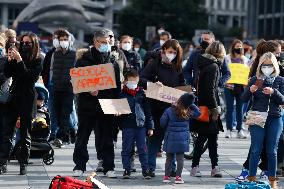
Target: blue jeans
<point x="271" y="133"/>
<point x="129" y="136"/>
<point x="230" y="98"/>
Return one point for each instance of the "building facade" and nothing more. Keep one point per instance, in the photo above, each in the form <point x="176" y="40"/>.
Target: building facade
<point x="265" y="19"/>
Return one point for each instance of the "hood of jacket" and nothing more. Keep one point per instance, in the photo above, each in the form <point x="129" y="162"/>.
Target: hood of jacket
<point x="206" y="60"/>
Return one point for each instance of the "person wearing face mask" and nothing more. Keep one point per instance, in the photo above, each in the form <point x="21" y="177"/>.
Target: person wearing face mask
<point x="168" y="63"/>
<point x="137" y="47"/>
<point x="133" y="58"/>
<point x="190" y="69"/>
<point x="266" y="98"/>
<point x="135" y="126"/>
<point x="24" y="66"/>
<point x="63" y="60"/>
<point x="234" y="91"/>
<point x="90" y="114"/>
<point x="156" y="50"/>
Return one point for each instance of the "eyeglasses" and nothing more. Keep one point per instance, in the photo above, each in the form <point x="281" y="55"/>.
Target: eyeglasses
<point x="102" y="42"/>
<point x="26" y="42"/>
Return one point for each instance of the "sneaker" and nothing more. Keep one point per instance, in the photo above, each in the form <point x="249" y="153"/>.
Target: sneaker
<point x="179" y="180"/>
<point x="173" y="173"/>
<point x="126" y="174"/>
<point x="111" y="174"/>
<point x="216" y="172"/>
<point x="152" y="173"/>
<point x="166" y="179"/>
<point x="146" y="174"/>
<point x="58" y="143"/>
<point x="195" y="172"/>
<point x="189" y="156"/>
<point x="228" y="134"/>
<point x="100" y="166"/>
<point x="78" y="173"/>
<point x="243" y="176"/>
<point x="263" y="176"/>
<point x="3" y="169"/>
<point x="23" y="169"/>
<point x="241" y="134"/>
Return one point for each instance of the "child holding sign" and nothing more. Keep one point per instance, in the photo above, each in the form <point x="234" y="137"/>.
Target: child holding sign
<point x="135" y="125"/>
<point x="176" y="122"/>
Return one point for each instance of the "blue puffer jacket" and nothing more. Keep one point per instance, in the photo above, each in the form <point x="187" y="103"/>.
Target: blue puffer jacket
<point x="177" y="134"/>
<point x="260" y="100"/>
<point x="141" y="112"/>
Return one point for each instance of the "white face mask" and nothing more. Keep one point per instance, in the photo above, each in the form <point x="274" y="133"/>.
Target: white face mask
<point x="170" y="56"/>
<point x="126" y="46"/>
<point x="267" y="70"/>
<point x="136" y="49"/>
<point x="162" y="42"/>
<point x="131" y="85"/>
<point x="64" y="44"/>
<point x="56" y="43"/>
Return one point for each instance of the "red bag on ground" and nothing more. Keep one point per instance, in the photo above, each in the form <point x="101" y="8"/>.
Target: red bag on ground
<point x="59" y="182"/>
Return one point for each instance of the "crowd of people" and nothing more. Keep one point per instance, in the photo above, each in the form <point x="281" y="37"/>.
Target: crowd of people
<point x="153" y="126"/>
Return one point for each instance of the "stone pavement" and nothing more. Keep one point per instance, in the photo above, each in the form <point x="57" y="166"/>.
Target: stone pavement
<point x="232" y="154"/>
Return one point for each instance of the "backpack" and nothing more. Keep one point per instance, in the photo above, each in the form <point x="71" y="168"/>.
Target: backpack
<point x="248" y="185"/>
<point x="59" y="182"/>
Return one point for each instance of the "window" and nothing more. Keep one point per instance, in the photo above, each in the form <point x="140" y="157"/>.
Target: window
<point x="269" y="6"/>
<point x="268" y="31"/>
<point x="261" y="7"/>
<point x="277" y="27"/>
<point x="260" y="28"/>
<point x="13" y="12"/>
<point x="277" y="5"/>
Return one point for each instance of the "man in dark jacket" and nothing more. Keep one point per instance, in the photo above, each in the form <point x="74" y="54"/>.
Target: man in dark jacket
<point x="191" y="68"/>
<point x="63" y="61"/>
<point x="90" y="114"/>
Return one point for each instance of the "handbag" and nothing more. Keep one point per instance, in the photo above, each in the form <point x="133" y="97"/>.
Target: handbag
<point x="256" y="117"/>
<point x="6" y="92"/>
<point x="204" y="116"/>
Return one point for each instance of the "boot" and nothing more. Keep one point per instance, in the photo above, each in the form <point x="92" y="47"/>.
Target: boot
<point x="23" y="169"/>
<point x="273" y="182"/>
<point x="252" y="178"/>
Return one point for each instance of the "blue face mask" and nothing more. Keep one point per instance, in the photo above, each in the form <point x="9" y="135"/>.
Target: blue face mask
<point x="104" y="48"/>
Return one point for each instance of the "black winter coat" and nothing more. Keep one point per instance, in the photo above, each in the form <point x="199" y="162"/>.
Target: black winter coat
<point x="88" y="104"/>
<point x="24" y="76"/>
<point x="133" y="59"/>
<point x="207" y="93"/>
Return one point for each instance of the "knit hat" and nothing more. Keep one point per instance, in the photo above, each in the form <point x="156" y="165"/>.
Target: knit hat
<point x="187" y="99"/>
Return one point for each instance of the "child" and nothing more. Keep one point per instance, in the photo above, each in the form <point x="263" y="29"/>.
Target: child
<point x="175" y="120"/>
<point x="135" y="125"/>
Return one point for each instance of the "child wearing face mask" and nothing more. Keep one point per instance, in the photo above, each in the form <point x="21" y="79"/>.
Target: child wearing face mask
<point x="136" y="125"/>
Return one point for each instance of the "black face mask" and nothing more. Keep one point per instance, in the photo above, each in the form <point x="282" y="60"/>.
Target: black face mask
<point x="238" y="51"/>
<point x="278" y="58"/>
<point x="204" y="44"/>
<point x="26" y="48"/>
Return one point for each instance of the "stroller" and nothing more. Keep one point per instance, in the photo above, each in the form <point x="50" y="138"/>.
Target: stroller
<point x="39" y="132"/>
<point x="40" y="147"/>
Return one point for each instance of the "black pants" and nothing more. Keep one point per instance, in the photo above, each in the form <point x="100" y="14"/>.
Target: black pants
<point x="212" y="147"/>
<point x="8" y="130"/>
<point x="63" y="106"/>
<point x="103" y="126"/>
<point x="263" y="157"/>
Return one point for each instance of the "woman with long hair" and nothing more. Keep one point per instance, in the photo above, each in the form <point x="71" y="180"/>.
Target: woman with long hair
<point x="24" y="66"/>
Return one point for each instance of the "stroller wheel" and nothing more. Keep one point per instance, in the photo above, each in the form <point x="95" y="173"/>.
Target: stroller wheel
<point x="48" y="159"/>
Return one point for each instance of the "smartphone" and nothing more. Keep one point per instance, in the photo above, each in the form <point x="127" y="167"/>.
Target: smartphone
<point x="259" y="83"/>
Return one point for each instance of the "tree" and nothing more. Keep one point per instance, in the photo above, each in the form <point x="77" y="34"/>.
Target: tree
<point x="180" y="17"/>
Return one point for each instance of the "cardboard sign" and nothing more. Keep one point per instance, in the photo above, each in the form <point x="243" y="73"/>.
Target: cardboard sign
<point x="163" y="93"/>
<point x="239" y="74"/>
<point x="115" y="106"/>
<point x="187" y="88"/>
<point x="92" y="78"/>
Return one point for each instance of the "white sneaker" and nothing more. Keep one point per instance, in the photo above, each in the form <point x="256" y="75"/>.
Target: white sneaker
<point x="228" y="134"/>
<point x="195" y="172"/>
<point x="111" y="174"/>
<point x="241" y="134"/>
<point x="78" y="173"/>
